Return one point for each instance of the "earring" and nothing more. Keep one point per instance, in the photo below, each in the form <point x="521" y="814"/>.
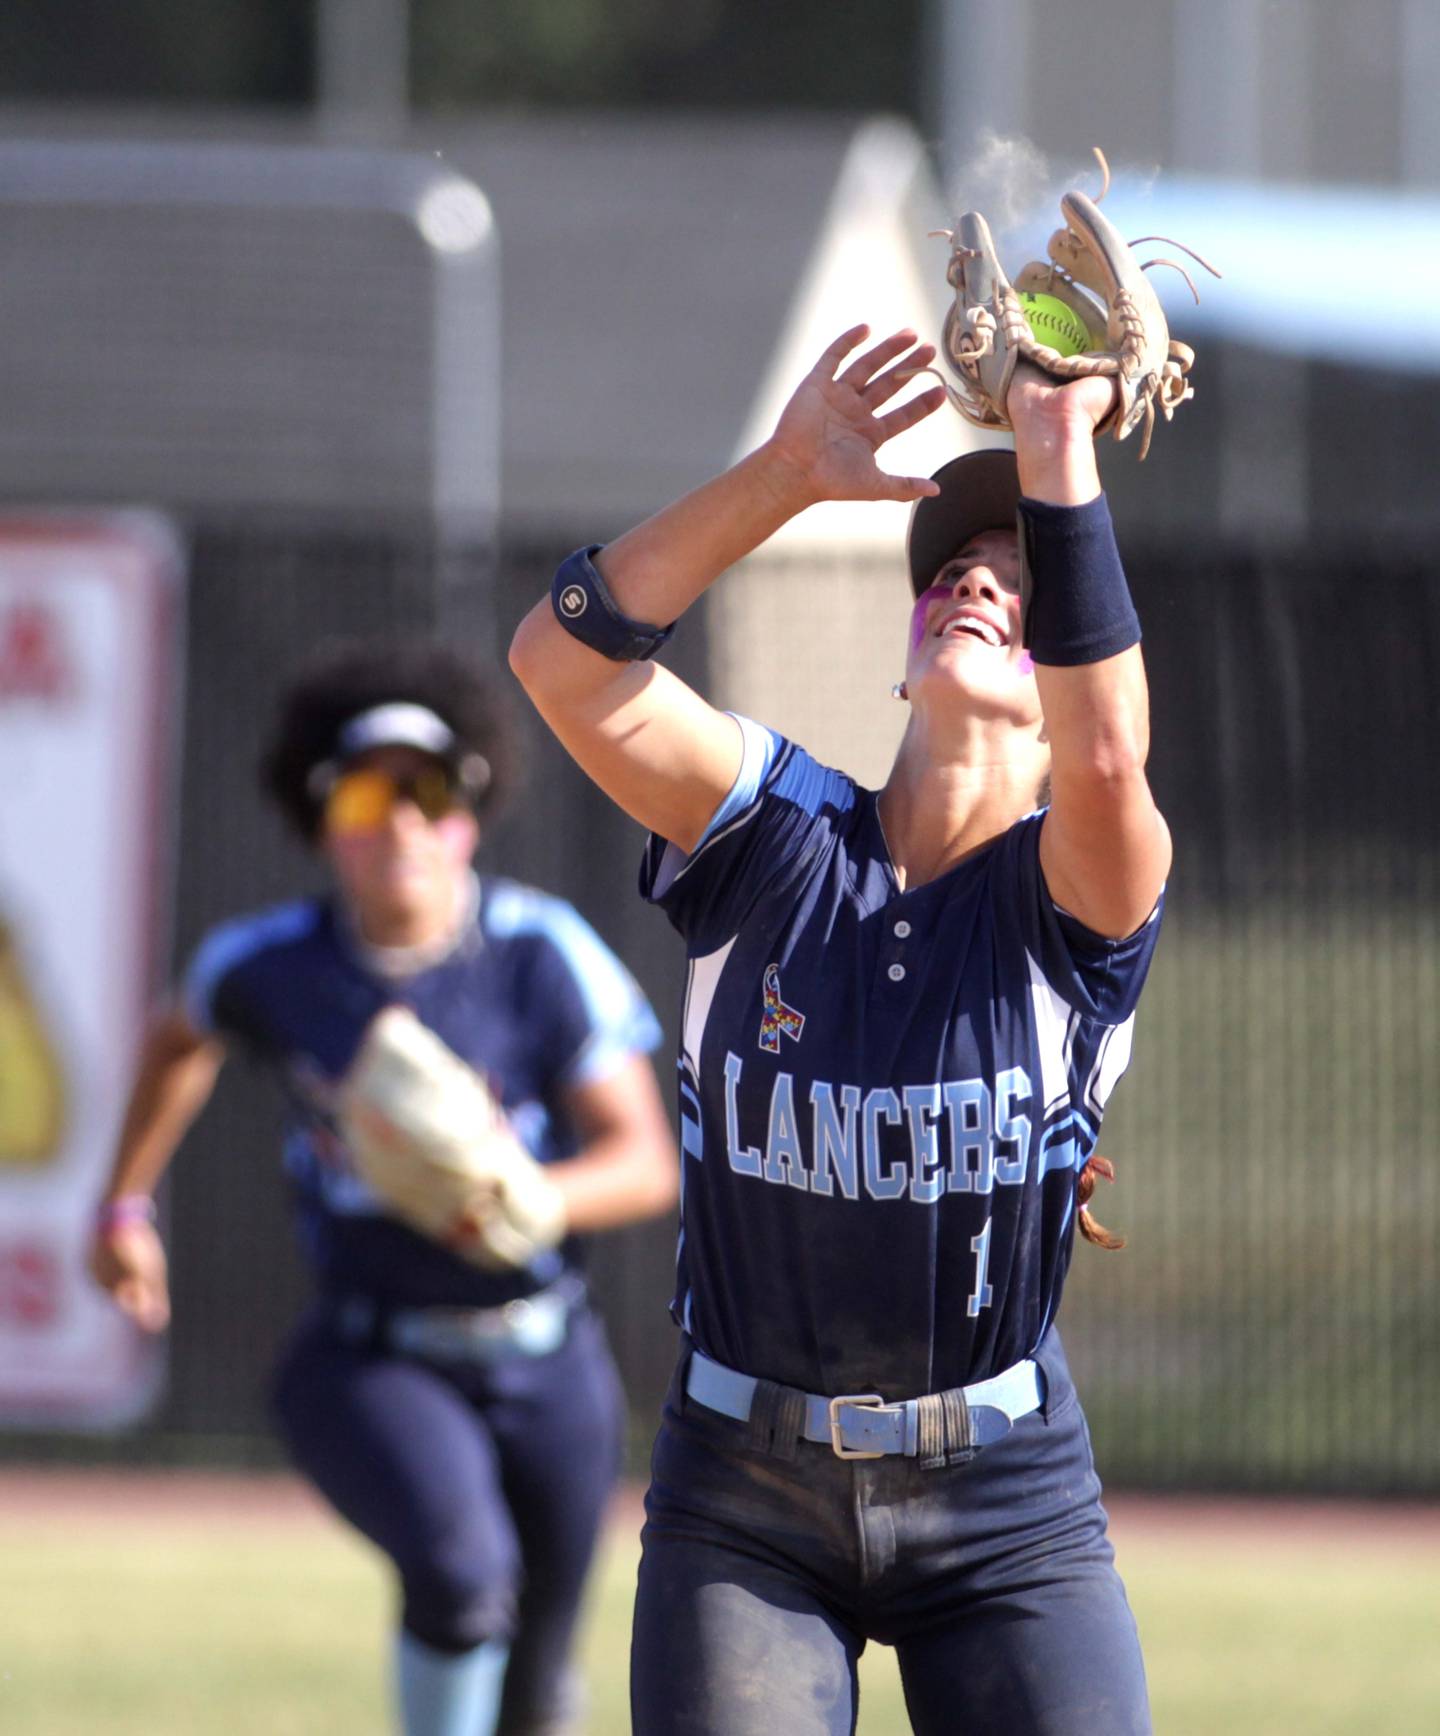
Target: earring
<point x="898" y="690"/>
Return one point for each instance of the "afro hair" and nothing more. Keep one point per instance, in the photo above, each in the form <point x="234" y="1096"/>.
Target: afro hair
<point x="348" y="677"/>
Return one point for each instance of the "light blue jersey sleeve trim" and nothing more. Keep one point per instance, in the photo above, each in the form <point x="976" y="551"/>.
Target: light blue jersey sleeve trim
<point x="813" y="787"/>
<point x="229" y="946"/>
<point x="622" y="1023"/>
<point x="759" y="749"/>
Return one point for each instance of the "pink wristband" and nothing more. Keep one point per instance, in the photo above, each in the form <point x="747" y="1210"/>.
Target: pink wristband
<point x="127" y="1209"/>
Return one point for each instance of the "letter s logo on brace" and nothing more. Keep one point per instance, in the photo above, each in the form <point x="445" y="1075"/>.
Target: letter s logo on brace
<point x="573" y="601"/>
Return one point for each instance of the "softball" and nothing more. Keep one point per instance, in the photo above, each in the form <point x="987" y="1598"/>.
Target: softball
<point x="1051" y="322"/>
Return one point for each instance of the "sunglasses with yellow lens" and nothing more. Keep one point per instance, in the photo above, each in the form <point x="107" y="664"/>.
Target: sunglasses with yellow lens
<point x="363" y="800"/>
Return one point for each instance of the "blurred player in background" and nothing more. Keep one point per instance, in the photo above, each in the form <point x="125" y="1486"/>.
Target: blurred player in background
<point x="905" y="1012"/>
<point x="467" y="1420"/>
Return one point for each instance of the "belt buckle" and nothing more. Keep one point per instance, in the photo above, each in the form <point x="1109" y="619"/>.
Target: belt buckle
<point x="869" y="1400"/>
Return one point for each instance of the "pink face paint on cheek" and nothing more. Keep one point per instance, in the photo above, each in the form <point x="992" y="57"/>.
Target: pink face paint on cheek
<point x="918" y="613"/>
<point x="458" y="836"/>
<point x="1026" y="665"/>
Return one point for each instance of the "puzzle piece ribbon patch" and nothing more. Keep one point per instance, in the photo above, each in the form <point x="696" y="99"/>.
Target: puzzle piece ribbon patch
<point x="778" y="1019"/>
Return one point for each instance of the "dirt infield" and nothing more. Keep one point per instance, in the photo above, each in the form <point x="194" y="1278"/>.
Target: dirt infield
<point x="125" y="1497"/>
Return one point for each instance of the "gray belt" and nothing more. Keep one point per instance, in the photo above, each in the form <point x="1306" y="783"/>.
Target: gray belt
<point x="942" y="1428"/>
<point x="528" y="1326"/>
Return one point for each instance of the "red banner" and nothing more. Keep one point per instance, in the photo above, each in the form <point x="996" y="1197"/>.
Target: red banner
<point x="89" y="722"/>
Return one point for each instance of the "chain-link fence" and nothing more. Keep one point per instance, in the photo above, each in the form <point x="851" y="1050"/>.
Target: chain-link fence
<point x="1275" y="1320"/>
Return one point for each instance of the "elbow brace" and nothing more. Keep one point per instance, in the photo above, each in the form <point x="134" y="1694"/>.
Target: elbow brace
<point x="584" y="608"/>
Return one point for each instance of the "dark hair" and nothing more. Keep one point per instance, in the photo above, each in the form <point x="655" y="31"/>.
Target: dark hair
<point x="346" y="677"/>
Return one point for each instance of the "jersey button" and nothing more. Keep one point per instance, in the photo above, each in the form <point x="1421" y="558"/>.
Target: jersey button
<point x="902" y="931"/>
<point x="896" y="973"/>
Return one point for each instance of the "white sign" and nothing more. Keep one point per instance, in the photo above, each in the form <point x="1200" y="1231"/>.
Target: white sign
<point x="89" y="693"/>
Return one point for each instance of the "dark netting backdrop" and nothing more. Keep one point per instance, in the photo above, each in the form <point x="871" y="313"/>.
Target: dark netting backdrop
<point x="1275" y="1320"/>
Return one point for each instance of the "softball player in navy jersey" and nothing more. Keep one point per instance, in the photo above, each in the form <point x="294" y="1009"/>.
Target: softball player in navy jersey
<point x="468" y="1421"/>
<point x="904" y="1014"/>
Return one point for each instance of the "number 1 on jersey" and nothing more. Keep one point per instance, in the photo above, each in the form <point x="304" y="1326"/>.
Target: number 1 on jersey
<point x="983" y="1294"/>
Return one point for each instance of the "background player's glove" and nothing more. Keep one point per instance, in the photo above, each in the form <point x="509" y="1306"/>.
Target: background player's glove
<point x="427" y="1135"/>
<point x="1093" y="271"/>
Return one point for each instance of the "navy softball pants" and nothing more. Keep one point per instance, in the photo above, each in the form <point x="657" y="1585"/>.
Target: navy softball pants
<point x="485" y="1484"/>
<point x="763" y="1577"/>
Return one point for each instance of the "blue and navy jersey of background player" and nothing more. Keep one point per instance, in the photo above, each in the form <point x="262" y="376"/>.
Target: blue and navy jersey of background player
<point x="529" y="996"/>
<point x="886" y="1096"/>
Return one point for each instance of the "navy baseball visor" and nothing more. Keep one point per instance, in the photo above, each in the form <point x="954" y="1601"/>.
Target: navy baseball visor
<point x="979" y="491"/>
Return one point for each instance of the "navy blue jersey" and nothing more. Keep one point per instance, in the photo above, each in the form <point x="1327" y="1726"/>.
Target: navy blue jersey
<point x="886" y="1096"/>
<point x="529" y="996"/>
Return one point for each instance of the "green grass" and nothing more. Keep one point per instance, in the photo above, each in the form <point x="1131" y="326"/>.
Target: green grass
<point x="1273" y="1641"/>
<point x="232" y="1628"/>
<point x="166" y="1629"/>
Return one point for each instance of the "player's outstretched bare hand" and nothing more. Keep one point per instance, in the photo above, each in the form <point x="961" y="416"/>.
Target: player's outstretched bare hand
<point x="836" y="421"/>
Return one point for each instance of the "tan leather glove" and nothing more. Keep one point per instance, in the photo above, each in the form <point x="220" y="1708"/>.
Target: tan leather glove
<point x="427" y="1135"/>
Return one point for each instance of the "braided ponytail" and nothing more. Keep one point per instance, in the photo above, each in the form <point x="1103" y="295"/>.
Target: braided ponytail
<point x="1085" y="1186"/>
